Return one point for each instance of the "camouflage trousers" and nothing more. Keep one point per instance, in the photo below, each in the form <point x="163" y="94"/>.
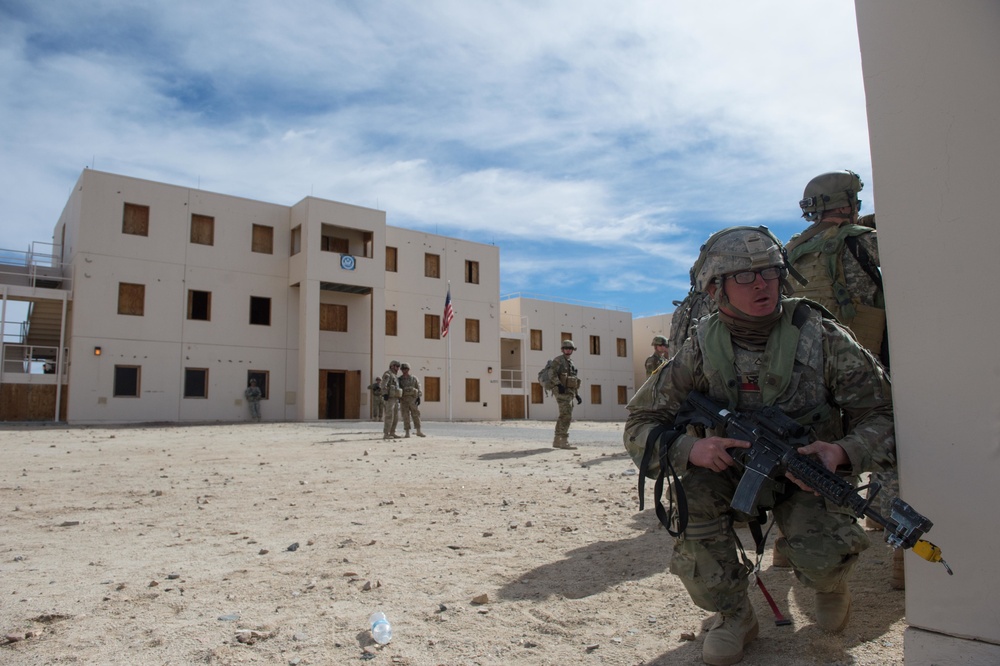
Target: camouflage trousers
<point x="391" y="417"/>
<point x="565" y="402"/>
<point x="822" y="546"/>
<point x="408" y="406"/>
<point x="377" y="407"/>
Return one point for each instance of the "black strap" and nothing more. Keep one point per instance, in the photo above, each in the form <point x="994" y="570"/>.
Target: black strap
<point x="868" y="266"/>
<point x="665" y="436"/>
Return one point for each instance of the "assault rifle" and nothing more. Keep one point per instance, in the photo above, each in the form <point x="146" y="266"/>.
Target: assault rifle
<point x="774" y="439"/>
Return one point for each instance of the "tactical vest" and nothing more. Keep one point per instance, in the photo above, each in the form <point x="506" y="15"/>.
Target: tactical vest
<point x="791" y="368"/>
<point x="820" y="261"/>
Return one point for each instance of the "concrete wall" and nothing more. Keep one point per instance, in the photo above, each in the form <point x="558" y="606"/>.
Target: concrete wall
<point x="933" y="91"/>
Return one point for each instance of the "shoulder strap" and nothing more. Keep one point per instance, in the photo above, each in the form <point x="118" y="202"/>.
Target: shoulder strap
<point x="864" y="260"/>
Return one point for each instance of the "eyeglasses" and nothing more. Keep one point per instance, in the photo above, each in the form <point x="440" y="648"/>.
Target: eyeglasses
<point x="749" y="277"/>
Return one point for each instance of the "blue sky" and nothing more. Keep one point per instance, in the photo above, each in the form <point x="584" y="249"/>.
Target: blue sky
<point x="597" y="144"/>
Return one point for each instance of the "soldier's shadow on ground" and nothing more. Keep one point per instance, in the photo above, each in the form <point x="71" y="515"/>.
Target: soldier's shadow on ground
<point x="597" y="566"/>
<point x="510" y="455"/>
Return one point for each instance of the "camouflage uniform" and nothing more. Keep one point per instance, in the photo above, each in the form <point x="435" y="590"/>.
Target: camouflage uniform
<point x="390" y="394"/>
<point x="408" y="403"/>
<point x="253" y="395"/>
<point x="565" y="393"/>
<point x="839" y="282"/>
<point x="652" y="363"/>
<point x="815" y="372"/>
<point x="696" y="304"/>
<point x="377" y="403"/>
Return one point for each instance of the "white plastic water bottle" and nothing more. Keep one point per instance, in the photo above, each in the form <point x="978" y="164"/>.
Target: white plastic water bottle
<point x="381" y="630"/>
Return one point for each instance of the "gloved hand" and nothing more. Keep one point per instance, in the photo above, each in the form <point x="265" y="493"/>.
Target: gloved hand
<point x="418" y="401"/>
<point x="385" y="396"/>
<point x="579" y="400"/>
<point x="562" y="389"/>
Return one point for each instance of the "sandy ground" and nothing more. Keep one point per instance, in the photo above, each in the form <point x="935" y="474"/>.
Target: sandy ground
<point x="273" y="543"/>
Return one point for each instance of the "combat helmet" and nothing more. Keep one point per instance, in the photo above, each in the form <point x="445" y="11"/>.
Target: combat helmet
<point x="738" y="249"/>
<point x="568" y="344"/>
<point x="659" y="340"/>
<point x="404" y="366"/>
<point x="828" y="191"/>
<point x="394" y="363"/>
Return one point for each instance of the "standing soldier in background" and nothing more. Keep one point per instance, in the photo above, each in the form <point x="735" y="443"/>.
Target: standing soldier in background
<point x="377" y="404"/>
<point x="566" y="391"/>
<point x="837" y="257"/>
<point x="253" y="395"/>
<point x="390" y="395"/>
<point x="408" y="404"/>
<point x="660" y="353"/>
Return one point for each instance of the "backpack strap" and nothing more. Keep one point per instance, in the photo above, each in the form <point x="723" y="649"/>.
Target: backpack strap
<point x="668" y="436"/>
<point x="864" y="260"/>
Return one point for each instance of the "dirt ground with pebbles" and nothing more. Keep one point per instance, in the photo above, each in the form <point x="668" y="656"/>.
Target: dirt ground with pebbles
<point x="273" y="543"/>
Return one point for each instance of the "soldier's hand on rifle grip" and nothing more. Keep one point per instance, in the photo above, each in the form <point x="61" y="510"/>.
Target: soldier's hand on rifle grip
<point x="711" y="453"/>
<point x="831" y="455"/>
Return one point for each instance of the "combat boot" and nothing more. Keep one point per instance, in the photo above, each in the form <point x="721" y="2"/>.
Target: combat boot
<point x="833" y="609"/>
<point x="562" y="442"/>
<point x="898" y="580"/>
<point x="729" y="635"/>
<point x="778" y="558"/>
<point x="406" y="435"/>
<point x="420" y="434"/>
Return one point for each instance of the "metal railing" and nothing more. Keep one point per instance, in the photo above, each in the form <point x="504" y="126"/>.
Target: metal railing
<point x="32" y="364"/>
<point x="39" y="266"/>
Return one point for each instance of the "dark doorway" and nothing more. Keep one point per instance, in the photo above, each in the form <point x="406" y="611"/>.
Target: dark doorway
<point x="334" y="395"/>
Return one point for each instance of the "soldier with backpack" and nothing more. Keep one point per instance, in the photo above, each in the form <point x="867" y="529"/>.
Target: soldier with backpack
<point x="837" y="258"/>
<point x="695" y="305"/>
<point x="761" y="349"/>
<point x="660" y="353"/>
<point x="565" y="386"/>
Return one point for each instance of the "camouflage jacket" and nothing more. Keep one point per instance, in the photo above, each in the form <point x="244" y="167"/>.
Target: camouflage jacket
<point x="410" y="386"/>
<point x="812" y="369"/>
<point x="652" y="363"/>
<point x="389" y="382"/>
<point x="563" y="368"/>
<point x="828" y="247"/>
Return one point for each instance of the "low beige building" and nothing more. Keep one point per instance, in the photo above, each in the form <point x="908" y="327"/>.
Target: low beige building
<point x="159" y="303"/>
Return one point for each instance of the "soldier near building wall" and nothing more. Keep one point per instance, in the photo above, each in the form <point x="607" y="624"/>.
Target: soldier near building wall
<point x="838" y="261"/>
<point x="566" y="391"/>
<point x="253" y="395"/>
<point x="378" y="404"/>
<point x="763" y="349"/>
<point x="391" y="394"/>
<point x="409" y="403"/>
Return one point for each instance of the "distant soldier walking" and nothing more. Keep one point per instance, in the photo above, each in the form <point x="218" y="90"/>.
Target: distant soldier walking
<point x="391" y="394"/>
<point x="659" y="354"/>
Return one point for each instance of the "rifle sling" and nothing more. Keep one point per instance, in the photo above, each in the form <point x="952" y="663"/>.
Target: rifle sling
<point x="669" y="436"/>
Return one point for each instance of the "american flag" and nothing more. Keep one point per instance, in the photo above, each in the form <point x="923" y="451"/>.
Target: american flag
<point x="449" y="314"/>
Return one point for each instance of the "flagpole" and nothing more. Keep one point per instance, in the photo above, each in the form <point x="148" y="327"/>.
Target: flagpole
<point x="449" y="360"/>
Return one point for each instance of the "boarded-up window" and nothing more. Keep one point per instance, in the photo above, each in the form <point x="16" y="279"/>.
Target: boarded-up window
<point x="263" y="379"/>
<point x="391" y="322"/>
<point x="333" y="317"/>
<point x="263" y="239"/>
<point x="595" y="345"/>
<point x="622" y="347"/>
<point x="432" y="389"/>
<point x="536" y="339"/>
<point x="296" y="240"/>
<point x="390" y="259"/>
<point x="472" y="272"/>
<point x="472" y="330"/>
<point x="471" y="389"/>
<point x="622" y="395"/>
<point x="432" y="265"/>
<point x="565" y="336"/>
<point x="195" y="382"/>
<point x="202" y="229"/>
<point x="260" y="311"/>
<point x="335" y="244"/>
<point x="126" y="381"/>
<point x="432" y="327"/>
<point x="131" y="299"/>
<point x="199" y="305"/>
<point x="537" y="393"/>
<point x="595" y="394"/>
<point x="135" y="220"/>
